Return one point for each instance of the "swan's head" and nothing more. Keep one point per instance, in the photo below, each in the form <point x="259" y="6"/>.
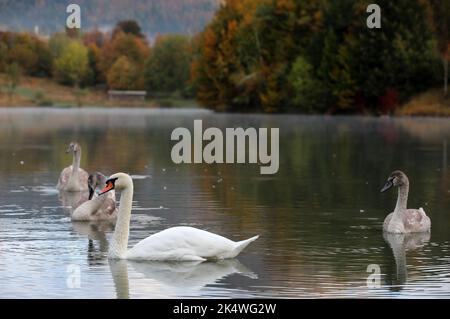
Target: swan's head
<point x="397" y="179"/>
<point x="118" y="181"/>
<point x="73" y="147"/>
<point x="95" y="180"/>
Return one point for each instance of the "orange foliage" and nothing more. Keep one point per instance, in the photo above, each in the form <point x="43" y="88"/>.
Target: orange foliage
<point x="132" y="47"/>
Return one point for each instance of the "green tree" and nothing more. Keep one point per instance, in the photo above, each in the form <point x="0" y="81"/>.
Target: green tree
<point x="29" y="52"/>
<point x="128" y="27"/>
<point x="3" y="55"/>
<point x="167" y="70"/>
<point x="329" y="55"/>
<point x="397" y="60"/>
<point x="13" y="75"/>
<point x="441" y="20"/>
<point x="57" y="43"/>
<point x="247" y="51"/>
<point x="308" y="93"/>
<point x="94" y="58"/>
<point x="71" y="68"/>
<point x="122" y="75"/>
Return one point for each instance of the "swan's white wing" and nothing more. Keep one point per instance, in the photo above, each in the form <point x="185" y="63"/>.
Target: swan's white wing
<point x="99" y="208"/>
<point x="416" y="220"/>
<point x="84" y="211"/>
<point x="182" y="243"/>
<point x="107" y="209"/>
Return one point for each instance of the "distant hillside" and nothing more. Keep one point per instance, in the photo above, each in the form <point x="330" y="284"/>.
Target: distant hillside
<point x="154" y="16"/>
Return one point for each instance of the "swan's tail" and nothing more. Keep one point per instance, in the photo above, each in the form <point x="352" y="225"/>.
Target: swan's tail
<point x="240" y="246"/>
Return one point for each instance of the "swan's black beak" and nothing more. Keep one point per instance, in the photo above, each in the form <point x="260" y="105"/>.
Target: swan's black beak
<point x="386" y="186"/>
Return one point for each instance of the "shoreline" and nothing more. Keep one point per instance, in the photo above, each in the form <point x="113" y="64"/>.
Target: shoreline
<point x="46" y="93"/>
<point x="189" y="111"/>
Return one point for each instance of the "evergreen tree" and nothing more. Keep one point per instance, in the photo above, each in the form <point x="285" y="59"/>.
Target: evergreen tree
<point x="167" y="68"/>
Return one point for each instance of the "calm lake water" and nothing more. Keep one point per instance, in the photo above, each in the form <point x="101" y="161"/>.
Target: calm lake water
<point x="319" y="219"/>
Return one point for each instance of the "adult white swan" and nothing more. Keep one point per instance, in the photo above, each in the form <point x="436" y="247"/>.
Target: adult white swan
<point x="175" y="244"/>
<point x="73" y="178"/>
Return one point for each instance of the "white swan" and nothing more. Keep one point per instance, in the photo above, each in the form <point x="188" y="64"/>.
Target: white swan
<point x="73" y="178"/>
<point x="404" y="220"/>
<point x="99" y="207"/>
<point x="176" y="243"/>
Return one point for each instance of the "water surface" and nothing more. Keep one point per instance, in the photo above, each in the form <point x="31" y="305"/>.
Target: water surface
<point x="319" y="218"/>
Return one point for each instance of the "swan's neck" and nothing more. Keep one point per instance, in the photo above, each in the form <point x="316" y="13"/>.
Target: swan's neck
<point x="402" y="198"/>
<point x="119" y="243"/>
<point x="76" y="162"/>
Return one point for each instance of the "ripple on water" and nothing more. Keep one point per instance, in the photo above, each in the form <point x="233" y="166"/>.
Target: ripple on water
<point x="138" y="177"/>
<point x="316" y="238"/>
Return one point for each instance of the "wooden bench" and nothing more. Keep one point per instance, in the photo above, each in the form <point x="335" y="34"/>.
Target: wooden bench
<point x="119" y="95"/>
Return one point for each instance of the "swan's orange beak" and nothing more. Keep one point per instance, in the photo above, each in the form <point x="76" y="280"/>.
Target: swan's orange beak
<point x="109" y="186"/>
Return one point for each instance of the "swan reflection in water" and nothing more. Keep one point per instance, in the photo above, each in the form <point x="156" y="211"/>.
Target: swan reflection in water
<point x="71" y="200"/>
<point x="95" y="232"/>
<point x="400" y="244"/>
<point x="173" y="278"/>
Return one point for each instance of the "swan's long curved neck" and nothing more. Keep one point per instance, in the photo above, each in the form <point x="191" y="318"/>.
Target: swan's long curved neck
<point x="402" y="198"/>
<point x="119" y="243"/>
<point x="76" y="161"/>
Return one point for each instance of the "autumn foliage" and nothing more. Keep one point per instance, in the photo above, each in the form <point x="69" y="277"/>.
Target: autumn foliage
<point x="270" y="56"/>
<point x="317" y="56"/>
<point x="119" y="60"/>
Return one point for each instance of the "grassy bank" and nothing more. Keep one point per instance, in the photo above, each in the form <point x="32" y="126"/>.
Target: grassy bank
<point x="430" y="103"/>
<point x="45" y="92"/>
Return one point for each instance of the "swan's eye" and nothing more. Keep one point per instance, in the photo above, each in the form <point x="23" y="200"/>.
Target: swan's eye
<point x="111" y="181"/>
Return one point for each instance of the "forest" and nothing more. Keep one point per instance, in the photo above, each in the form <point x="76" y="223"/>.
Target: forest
<point x="320" y="56"/>
<point x="273" y="56"/>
